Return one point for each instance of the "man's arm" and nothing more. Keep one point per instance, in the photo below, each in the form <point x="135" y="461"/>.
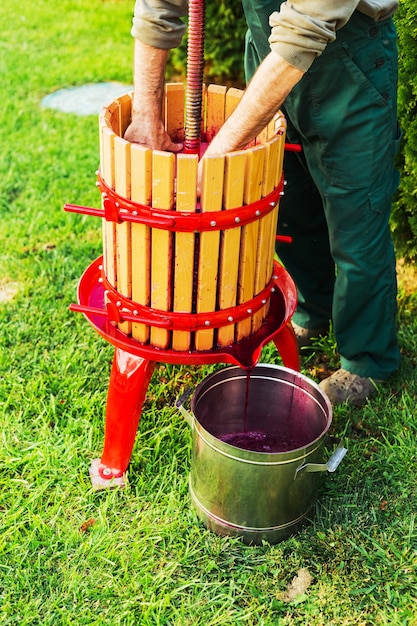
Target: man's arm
<point x="147" y="127"/>
<point x="264" y="95"/>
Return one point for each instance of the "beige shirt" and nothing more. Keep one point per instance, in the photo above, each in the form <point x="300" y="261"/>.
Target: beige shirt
<point x="300" y="29"/>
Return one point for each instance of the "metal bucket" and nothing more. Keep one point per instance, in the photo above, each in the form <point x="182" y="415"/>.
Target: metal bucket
<point x="258" y="444"/>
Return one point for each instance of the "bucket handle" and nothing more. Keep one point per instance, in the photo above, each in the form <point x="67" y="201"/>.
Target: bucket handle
<point x="189" y="417"/>
<point x="331" y="465"/>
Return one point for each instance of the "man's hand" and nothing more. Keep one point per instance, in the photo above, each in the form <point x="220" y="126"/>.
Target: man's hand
<point x="151" y="135"/>
<point x="147" y="127"/>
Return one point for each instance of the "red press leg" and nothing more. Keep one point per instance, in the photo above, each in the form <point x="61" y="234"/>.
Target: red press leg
<point x="129" y="380"/>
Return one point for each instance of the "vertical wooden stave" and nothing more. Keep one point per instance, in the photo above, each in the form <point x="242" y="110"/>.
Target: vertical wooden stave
<point x="280" y="130"/>
<point x="163" y="171"/>
<point x="141" y="192"/>
<point x="264" y="258"/>
<point x="107" y="169"/>
<point x="249" y="240"/>
<point x="124" y="104"/>
<point x="186" y="197"/>
<point x="208" y="262"/>
<point x="123" y="230"/>
<point x="174" y="111"/>
<point x="230" y="241"/>
<point x="215" y="110"/>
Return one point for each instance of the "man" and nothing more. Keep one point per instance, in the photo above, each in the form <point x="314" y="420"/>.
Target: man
<point x="332" y="69"/>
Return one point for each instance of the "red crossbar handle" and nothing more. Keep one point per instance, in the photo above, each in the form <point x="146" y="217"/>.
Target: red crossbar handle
<point x="293" y="147"/>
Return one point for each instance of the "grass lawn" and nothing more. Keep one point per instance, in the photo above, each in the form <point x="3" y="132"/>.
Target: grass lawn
<point x="138" y="556"/>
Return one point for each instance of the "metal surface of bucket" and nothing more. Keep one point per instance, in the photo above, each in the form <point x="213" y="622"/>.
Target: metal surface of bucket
<point x="257" y="495"/>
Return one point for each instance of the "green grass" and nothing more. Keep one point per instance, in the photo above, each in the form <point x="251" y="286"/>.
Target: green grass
<point x="138" y="556"/>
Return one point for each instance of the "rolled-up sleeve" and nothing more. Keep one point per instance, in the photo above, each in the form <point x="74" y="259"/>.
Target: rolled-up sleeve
<point x="301" y="29"/>
<point x="158" y="23"/>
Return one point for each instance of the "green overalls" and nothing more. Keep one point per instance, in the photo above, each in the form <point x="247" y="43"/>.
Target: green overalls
<point x="339" y="188"/>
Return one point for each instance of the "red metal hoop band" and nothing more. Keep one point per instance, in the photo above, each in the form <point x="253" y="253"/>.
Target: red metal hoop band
<point x="121" y="309"/>
<point x="119" y="209"/>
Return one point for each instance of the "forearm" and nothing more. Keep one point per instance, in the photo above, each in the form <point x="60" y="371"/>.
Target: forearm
<point x="147" y="127"/>
<point x="149" y="80"/>
<point x="263" y="97"/>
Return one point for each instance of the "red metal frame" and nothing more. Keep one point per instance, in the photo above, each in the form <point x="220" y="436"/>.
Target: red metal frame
<point x="134" y="363"/>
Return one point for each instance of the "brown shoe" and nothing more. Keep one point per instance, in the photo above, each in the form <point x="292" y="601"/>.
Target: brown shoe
<point x="305" y="336"/>
<point x="343" y="386"/>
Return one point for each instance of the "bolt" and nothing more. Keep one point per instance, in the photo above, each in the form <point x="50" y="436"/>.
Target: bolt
<point x="207" y="322"/>
<point x="230" y="318"/>
<point x="257" y="213"/>
<point x="213" y="223"/>
<point x="237" y="220"/>
<point x="107" y="471"/>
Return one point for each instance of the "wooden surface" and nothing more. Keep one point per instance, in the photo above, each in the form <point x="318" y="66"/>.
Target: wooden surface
<point x="208" y="260"/>
<point x="186" y="198"/>
<point x="141" y="191"/>
<point x="161" y="242"/>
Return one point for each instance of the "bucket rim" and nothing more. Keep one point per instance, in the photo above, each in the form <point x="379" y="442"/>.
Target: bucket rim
<point x="251" y="456"/>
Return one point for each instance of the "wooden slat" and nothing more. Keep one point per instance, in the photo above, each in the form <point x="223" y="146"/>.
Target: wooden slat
<point x="125" y="113"/>
<point x="186" y="197"/>
<point x="161" y="247"/>
<point x="233" y="97"/>
<point x="215" y="114"/>
<point x="230" y="241"/>
<point x="264" y="255"/>
<point x="107" y="169"/>
<point x="208" y="262"/>
<point x="174" y="110"/>
<point x="141" y="192"/>
<point x="123" y="230"/>
<point x="274" y="214"/>
<point x="249" y="240"/>
<point x="111" y="116"/>
<point x="280" y="129"/>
